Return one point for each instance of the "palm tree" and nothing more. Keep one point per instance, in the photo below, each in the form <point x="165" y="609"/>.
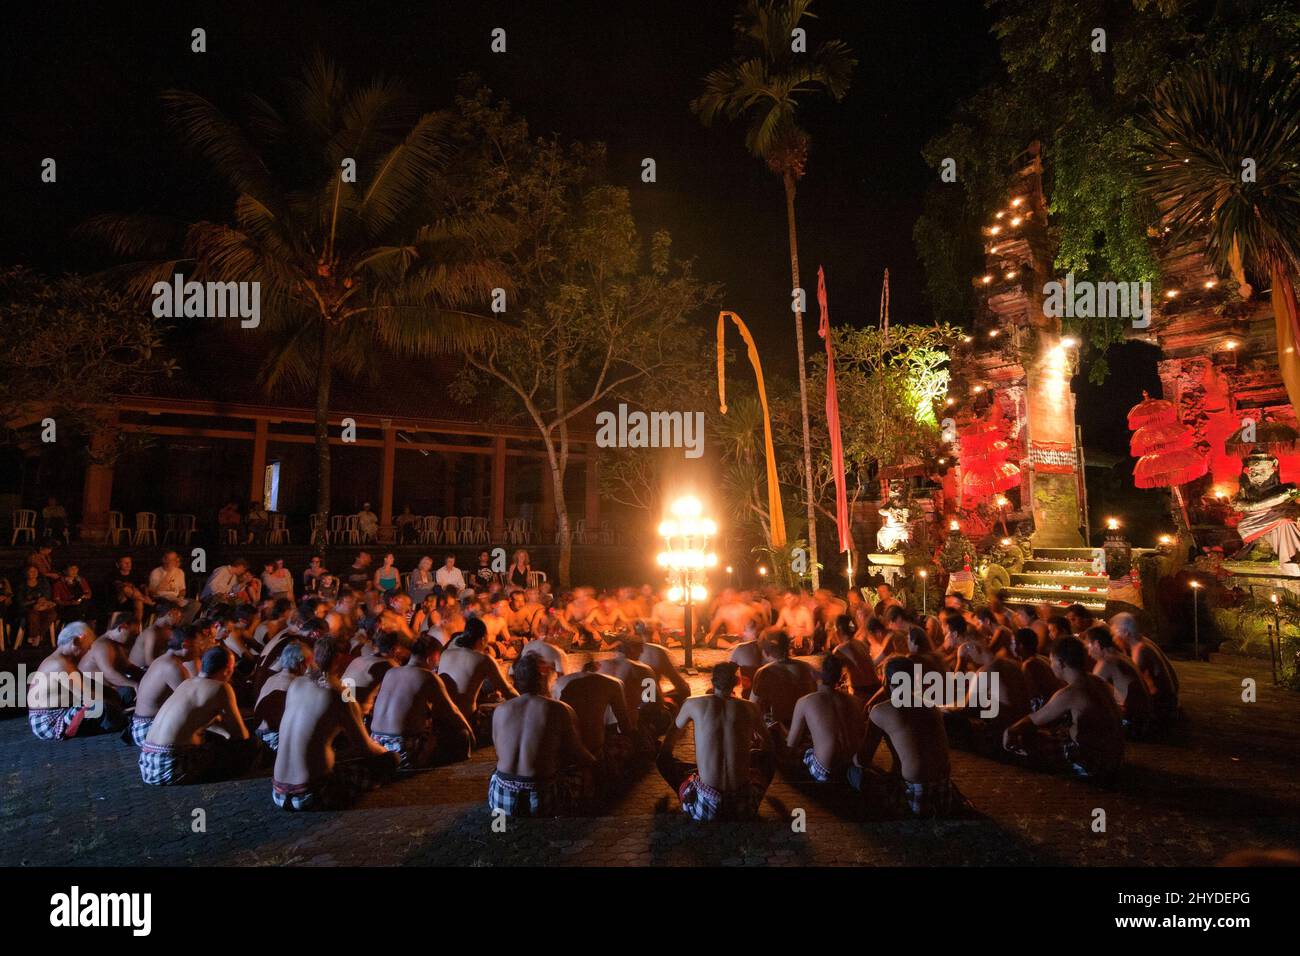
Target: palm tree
<point x="1204" y="122"/>
<point x="336" y="215"/>
<point x="763" y="84"/>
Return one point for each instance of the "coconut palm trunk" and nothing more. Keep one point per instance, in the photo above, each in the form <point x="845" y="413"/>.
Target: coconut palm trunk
<point x="788" y="179"/>
<point x="324" y="382"/>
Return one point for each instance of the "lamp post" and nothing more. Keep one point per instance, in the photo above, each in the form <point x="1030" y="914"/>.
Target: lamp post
<point x="925" y="590"/>
<point x="687" y="559"/>
<point x="1196" y="621"/>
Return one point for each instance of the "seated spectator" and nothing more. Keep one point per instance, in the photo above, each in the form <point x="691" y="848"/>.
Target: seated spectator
<point x="61" y="701"/>
<point x="257" y="521"/>
<point x="35" y="606"/>
<point x="415" y="718"/>
<point x="277" y="580"/>
<point x="124" y="594"/>
<point x="71" y="593"/>
<point x="176" y="664"/>
<point x="229" y="521"/>
<point x="368" y="524"/>
<point x="54" y="517"/>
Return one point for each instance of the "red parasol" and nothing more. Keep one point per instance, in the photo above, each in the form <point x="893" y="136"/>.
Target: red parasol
<point x="1168" y="458"/>
<point x="1170" y="469"/>
<point x="986" y="479"/>
<point x="1276" y="438"/>
<point x="1151" y="411"/>
<point x="1158" y="439"/>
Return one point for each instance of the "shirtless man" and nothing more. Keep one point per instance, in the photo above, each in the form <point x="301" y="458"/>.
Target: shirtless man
<point x="466" y="669"/>
<point x="153" y="639"/>
<point x="855" y="655"/>
<point x="198" y="735"/>
<point x="781" y="681"/>
<point x="108" y="656"/>
<point x="522" y="616"/>
<point x="833" y="721"/>
<point x="542" y="766"/>
<point x="1005" y="689"/>
<point x="415" y="718"/>
<point x="656" y="658"/>
<point x="1116" y="669"/>
<point x="1094" y="746"/>
<point x="920" y="651"/>
<point x="731" y="774"/>
<point x="164" y="675"/>
<point x="341" y="619"/>
<point x="295" y="660"/>
<point x="497" y="621"/>
<point x="639" y="681"/>
<point x="920" y="782"/>
<point x="606" y="618"/>
<point x="828" y="609"/>
<point x="558" y="660"/>
<point x="593" y="696"/>
<point x="668" y="622"/>
<point x="748" y="656"/>
<point x="796" y="620"/>
<point x="365" y="673"/>
<point x="60" y="701"/>
<point x="1037" y="668"/>
<point x="730" y="620"/>
<point x="307" y="775"/>
<point x="1157" y="672"/>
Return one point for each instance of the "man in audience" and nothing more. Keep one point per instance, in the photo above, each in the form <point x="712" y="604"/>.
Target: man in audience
<point x="294" y="661"/>
<point x="542" y="767"/>
<point x="108" y="657"/>
<point x="61" y="701"/>
<point x="197" y="734"/>
<point x="832" y="720"/>
<point x="1115" y="667"/>
<point x="164" y="675"/>
<point x="733" y="753"/>
<point x="1093" y="744"/>
<point x="308" y="775"/>
<point x="466" y="669"/>
<point x="781" y="681"/>
<point x="415" y="718"/>
<point x="449" y="577"/>
<point x="1157" y="672"/>
<point x="71" y="592"/>
<point x="167" y="582"/>
<point x="124" y="594"/>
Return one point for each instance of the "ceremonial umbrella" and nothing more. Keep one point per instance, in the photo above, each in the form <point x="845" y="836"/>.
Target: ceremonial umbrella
<point x="1274" y="437"/>
<point x="1168" y="459"/>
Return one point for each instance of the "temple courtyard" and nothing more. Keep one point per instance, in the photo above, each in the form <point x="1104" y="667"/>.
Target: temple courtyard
<point x="1226" y="780"/>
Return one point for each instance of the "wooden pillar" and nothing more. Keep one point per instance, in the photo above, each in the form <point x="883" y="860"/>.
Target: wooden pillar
<point x="257" y="479"/>
<point x="498" y="488"/>
<point x="546" y="520"/>
<point x="386" y="481"/>
<point x="480" y="479"/>
<point x="97" y="486"/>
<point x="592" y="486"/>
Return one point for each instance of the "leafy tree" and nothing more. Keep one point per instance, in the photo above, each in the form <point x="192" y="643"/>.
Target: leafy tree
<point x="347" y="267"/>
<point x="597" y="317"/>
<point x="763" y="85"/>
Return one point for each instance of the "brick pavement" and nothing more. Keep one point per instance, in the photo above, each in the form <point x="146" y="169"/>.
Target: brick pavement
<point x="1227" y="781"/>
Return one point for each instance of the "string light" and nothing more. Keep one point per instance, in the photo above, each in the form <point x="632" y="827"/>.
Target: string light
<point x="1210" y="283"/>
<point x="1171" y="293"/>
<point x="1016" y="220"/>
<point x="1018" y="201"/>
<point x="987" y="279"/>
<point x="1112" y="524"/>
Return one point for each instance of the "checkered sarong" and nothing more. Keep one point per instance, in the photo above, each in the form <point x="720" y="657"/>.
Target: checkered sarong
<point x="703" y="803"/>
<point x="528" y="797"/>
<point x="349" y="780"/>
<point x="925" y="799"/>
<point x="140" y="729"/>
<point x="408" y="747"/>
<point x="271" y="738"/>
<point x="815" y="768"/>
<point x="166" y="766"/>
<point x="51" y="723"/>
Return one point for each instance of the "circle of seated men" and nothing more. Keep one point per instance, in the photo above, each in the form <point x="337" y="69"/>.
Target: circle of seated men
<point x="339" y="696"/>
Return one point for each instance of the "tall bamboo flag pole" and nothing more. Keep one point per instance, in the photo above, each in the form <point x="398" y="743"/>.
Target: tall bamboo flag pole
<point x="776" y="514"/>
<point x="842" y="526"/>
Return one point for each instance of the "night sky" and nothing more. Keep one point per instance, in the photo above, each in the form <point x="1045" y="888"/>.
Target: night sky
<point x="83" y="84"/>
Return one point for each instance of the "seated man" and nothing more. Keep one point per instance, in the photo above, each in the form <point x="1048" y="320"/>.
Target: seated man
<point x="833" y="721"/>
<point x="731" y="775"/>
<point x="415" y="718"/>
<point x="781" y="680"/>
<point x="1037" y="668"/>
<point x="164" y="675"/>
<point x="558" y="660"/>
<point x="60" y="698"/>
<point x="542" y="766"/>
<point x="920" y="782"/>
<point x="796" y="620"/>
<point x="748" y="656"/>
<point x="640" y="691"/>
<point x="1116" y="669"/>
<point x="1093" y="745"/>
<point x="996" y="696"/>
<point x="604" y="623"/>
<point x="295" y="660"/>
<point x="855" y="655"/>
<point x="153" y="639"/>
<point x="466" y="669"/>
<point x="1157" y="672"/>
<point x="109" y="656"/>
<point x="364" y="674"/>
<point x="198" y="735"/>
<point x="307" y="775"/>
<point x="656" y="658"/>
<point x="595" y="696"/>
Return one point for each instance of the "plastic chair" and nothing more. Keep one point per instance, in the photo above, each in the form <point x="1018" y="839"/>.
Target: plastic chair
<point x="169" y="524"/>
<point x="535" y="578"/>
<point x="354" y="529"/>
<point x="24" y="522"/>
<point x="117" y="528"/>
<point x="185" y="527"/>
<point x="279" y="533"/>
<point x="318" y="533"/>
<point x="146" y="527"/>
<point x="481" y="534"/>
<point x="431" y="530"/>
<point x="451" y="530"/>
<point x="338" y="528"/>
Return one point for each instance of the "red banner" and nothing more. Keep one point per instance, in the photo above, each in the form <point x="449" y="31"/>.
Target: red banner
<point x="833" y="421"/>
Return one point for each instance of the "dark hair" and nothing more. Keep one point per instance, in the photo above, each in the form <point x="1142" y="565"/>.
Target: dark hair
<point x="984" y="614"/>
<point x="1027" y="638"/>
<point x="777" y="644"/>
<point x="725" y="674"/>
<point x="875" y="625"/>
<point x="280" y="606"/>
<point x="529" y="673"/>
<point x="631" y="647"/>
<point x="215" y="660"/>
<point x="917" y="636"/>
<point x="422" y="646"/>
<point x="898" y="664"/>
<point x="832" y="669"/>
<point x="324" y="651"/>
<point x="1078" y="610"/>
<point x="475" y="631"/>
<point x="895" y="613"/>
<point x="385" y="641"/>
<point x="313" y="627"/>
<point x="1070" y="652"/>
<point x="955" y="623"/>
<point x="1101" y="634"/>
<point x="177" y="638"/>
<point x="846" y="625"/>
<point x="1060" y="623"/>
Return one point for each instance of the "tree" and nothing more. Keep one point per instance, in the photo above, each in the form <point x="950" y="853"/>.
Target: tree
<point x="596" y="318"/>
<point x="336" y="215"/>
<point x="1222" y="151"/>
<point x="763" y="85"/>
<point x="73" y="344"/>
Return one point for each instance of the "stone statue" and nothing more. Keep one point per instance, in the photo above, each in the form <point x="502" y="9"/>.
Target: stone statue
<point x="1268" y="512"/>
<point x="894" y="532"/>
